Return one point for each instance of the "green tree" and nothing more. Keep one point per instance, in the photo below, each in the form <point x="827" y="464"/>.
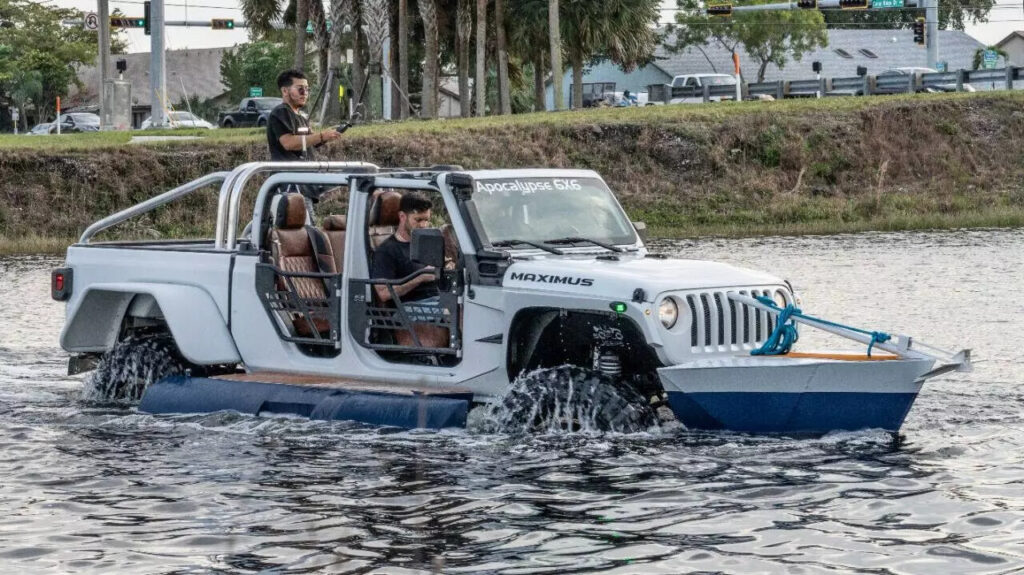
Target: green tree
<point x="953" y="15"/>
<point x="254" y="64"/>
<point x="769" y="37"/>
<point x="43" y="51"/>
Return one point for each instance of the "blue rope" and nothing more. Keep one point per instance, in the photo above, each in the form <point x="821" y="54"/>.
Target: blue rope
<point x="783" y="336"/>
<point x="785" y="325"/>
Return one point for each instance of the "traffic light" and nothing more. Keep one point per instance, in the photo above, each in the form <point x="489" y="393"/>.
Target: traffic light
<point x="919" y="31"/>
<point x="123" y="22"/>
<point x="807" y="4"/>
<point x="147" y="14"/>
<point x="853" y="4"/>
<point x="719" y="9"/>
<point x="222" y="24"/>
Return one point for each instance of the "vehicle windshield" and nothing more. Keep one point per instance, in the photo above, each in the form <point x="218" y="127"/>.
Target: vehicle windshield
<point x="541" y="209"/>
<point x="183" y="117"/>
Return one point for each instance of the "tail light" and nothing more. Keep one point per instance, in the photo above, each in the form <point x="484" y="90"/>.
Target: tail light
<point x="60" y="284"/>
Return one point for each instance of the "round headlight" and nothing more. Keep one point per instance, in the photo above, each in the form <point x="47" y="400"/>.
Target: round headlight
<point x="780" y="298"/>
<point x="668" y="312"/>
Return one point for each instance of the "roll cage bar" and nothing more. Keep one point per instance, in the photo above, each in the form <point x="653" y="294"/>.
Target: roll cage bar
<point x="232" y="186"/>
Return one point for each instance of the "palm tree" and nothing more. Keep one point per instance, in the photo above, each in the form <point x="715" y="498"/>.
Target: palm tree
<point x="377" y="26"/>
<point x="301" y="17"/>
<point x="481" y="58"/>
<point x="403" y="55"/>
<point x="528" y="39"/>
<point x="464" y="33"/>
<point x="431" y="49"/>
<point x="504" y="91"/>
<point x="619" y="30"/>
<point x="555" y="49"/>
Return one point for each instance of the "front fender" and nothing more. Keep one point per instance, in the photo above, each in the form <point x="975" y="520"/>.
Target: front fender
<point x="191" y="314"/>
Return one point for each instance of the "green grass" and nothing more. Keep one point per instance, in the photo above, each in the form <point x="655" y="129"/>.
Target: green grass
<point x="676" y="114"/>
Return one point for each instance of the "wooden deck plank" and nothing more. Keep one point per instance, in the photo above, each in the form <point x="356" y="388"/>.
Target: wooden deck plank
<point x="341" y="383"/>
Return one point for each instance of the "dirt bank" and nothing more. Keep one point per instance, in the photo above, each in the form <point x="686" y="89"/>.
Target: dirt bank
<point x="783" y="167"/>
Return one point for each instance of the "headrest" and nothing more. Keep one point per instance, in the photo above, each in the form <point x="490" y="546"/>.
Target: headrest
<point x="288" y="211"/>
<point x="335" y="223"/>
<point x="384" y="210"/>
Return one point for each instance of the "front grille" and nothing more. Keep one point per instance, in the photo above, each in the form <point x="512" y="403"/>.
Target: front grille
<point x="726" y="325"/>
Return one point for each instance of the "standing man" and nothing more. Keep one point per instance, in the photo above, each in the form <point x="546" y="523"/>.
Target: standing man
<point x="288" y="134"/>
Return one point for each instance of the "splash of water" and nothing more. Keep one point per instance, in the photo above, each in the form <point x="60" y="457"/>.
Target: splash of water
<point x="568" y="399"/>
<point x="135" y="362"/>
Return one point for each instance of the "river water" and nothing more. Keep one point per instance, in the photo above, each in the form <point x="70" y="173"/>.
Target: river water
<point x="88" y="489"/>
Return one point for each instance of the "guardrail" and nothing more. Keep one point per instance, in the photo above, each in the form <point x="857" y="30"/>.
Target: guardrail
<point x="954" y="81"/>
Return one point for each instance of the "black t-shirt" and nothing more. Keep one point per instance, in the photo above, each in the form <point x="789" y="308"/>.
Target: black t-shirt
<point x="281" y="122"/>
<point x="391" y="261"/>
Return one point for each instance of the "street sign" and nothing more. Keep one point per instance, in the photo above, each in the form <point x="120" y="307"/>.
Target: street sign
<point x="887" y="4"/>
<point x="255" y="91"/>
<point x="91" y="21"/>
<point x="990" y="58"/>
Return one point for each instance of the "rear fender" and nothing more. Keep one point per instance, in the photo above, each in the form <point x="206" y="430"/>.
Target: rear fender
<point x="191" y="315"/>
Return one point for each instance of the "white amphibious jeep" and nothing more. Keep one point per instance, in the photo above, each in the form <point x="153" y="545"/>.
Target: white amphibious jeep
<point x="543" y="274"/>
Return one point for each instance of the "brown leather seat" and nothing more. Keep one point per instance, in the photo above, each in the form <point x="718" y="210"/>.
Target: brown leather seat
<point x="291" y="250"/>
<point x="383" y="216"/>
<point x="334" y="229"/>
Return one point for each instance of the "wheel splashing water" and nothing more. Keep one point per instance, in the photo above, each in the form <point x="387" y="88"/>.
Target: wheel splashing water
<point x="131" y="365"/>
<point x="570" y="398"/>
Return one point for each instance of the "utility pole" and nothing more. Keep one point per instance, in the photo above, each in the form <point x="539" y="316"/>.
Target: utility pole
<point x="931" y="20"/>
<point x="157" y="73"/>
<point x="104" y="13"/>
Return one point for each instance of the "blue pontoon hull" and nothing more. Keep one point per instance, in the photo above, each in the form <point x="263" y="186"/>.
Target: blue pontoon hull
<point x="374" y="405"/>
<point x="780" y="394"/>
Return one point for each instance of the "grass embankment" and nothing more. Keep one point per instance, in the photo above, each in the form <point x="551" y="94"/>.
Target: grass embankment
<point x="789" y="167"/>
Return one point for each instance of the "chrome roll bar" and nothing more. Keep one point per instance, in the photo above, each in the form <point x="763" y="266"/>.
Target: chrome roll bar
<point x="151" y="204"/>
<point x="232" y="188"/>
<point x="273" y="181"/>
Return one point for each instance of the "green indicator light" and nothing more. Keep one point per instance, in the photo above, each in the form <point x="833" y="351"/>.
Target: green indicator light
<point x="141" y="23"/>
<point x="230" y="24"/>
<point x="618" y="307"/>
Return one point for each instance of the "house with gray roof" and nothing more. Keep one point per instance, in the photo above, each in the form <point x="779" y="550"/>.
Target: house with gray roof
<point x="875" y="50"/>
<point x="1013" y="45"/>
<point x="190" y="73"/>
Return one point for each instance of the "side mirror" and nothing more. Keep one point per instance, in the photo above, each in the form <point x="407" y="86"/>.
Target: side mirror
<point x="427" y="247"/>
<point x="641" y="230"/>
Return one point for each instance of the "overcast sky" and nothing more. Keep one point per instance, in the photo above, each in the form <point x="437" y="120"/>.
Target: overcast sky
<point x="1007" y="16"/>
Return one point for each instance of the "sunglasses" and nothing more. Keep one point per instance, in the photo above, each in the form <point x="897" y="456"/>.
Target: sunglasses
<point x="302" y="90"/>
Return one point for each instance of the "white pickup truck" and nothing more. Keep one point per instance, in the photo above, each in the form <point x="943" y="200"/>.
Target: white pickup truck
<point x="544" y="280"/>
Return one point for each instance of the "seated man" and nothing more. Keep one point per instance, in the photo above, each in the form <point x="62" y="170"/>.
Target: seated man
<point x="392" y="261"/>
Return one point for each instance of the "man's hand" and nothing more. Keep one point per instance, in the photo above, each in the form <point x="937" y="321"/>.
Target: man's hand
<point x="329" y="135"/>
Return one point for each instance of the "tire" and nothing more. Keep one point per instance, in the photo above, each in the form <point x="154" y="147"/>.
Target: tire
<point x="124" y="372"/>
<point x="571" y="398"/>
<point x="261" y="123"/>
<point x="228" y="124"/>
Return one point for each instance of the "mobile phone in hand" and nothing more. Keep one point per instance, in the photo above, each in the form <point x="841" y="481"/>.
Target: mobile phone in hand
<point x="341" y="129"/>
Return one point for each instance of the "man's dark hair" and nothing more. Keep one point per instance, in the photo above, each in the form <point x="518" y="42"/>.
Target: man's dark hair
<point x="414" y="202"/>
<point x="284" y="79"/>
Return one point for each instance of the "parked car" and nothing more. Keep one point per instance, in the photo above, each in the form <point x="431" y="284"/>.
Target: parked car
<point x="689" y="88"/>
<point x="44" y="129"/>
<point x="79" y="122"/>
<point x="250" y="112"/>
<point x="910" y="71"/>
<point x="179" y="120"/>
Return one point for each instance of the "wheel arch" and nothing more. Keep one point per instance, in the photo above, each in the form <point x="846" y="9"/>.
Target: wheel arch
<point x="191" y="316"/>
<point x="546" y="337"/>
